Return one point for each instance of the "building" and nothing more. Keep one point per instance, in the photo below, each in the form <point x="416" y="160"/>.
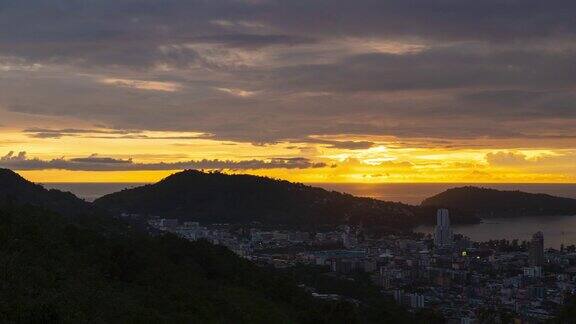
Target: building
<point x="537" y="250"/>
<point x="532" y="272"/>
<point x="411" y="300"/>
<point x="168" y="224"/>
<point x="349" y="237"/>
<point x="536" y="292"/>
<point x="417" y="301"/>
<point x="443" y="236"/>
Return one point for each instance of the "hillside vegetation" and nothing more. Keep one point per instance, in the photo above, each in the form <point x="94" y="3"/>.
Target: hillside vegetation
<point x="217" y="197"/>
<point x="16" y="189"/>
<point x="86" y="267"/>
<point x="489" y="202"/>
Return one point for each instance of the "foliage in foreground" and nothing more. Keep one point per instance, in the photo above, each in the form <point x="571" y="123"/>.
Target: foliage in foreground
<point x="77" y="270"/>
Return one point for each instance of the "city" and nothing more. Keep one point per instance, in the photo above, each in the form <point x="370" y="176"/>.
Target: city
<point x="288" y="161"/>
<point x="463" y="280"/>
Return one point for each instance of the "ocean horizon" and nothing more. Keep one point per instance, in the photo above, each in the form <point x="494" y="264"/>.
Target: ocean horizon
<point x="557" y="229"/>
<point x="408" y="193"/>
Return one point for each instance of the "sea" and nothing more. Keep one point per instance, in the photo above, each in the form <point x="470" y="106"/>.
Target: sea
<point x="557" y="229"/>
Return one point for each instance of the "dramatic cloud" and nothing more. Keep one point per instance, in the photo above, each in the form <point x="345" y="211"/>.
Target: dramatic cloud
<point x="329" y="74"/>
<point x="564" y="159"/>
<point x="96" y="163"/>
<point x="447" y="67"/>
<point x="506" y="159"/>
<point x="346" y="145"/>
<point x="237" y="92"/>
<point x="57" y="133"/>
<point x="36" y="132"/>
<point x="143" y="85"/>
<point x="253" y="40"/>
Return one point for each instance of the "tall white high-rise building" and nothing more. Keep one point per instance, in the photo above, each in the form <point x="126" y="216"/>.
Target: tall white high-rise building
<point x="443" y="235"/>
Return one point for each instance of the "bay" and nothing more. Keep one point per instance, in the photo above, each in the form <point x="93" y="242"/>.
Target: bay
<point x="557" y="229"/>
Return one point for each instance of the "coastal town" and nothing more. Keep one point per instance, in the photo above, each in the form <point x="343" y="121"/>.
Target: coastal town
<point x="464" y="281"/>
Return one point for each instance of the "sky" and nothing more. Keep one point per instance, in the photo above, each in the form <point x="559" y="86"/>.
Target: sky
<point x="340" y="91"/>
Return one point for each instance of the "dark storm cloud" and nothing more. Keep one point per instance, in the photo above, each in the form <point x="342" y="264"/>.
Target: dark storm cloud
<point x="522" y="103"/>
<point x="495" y="20"/>
<point x="101" y="133"/>
<point x="254" y="40"/>
<point x="456" y="66"/>
<point x="97" y="163"/>
<point x="104" y="19"/>
<point x="272" y="119"/>
<point x="346" y="145"/>
<point x="95" y="159"/>
<point x="513" y="97"/>
<point x="130" y="31"/>
<point x="272" y="70"/>
<point x="58" y="133"/>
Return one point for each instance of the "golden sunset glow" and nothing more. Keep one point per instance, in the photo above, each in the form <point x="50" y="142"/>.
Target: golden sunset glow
<point x="388" y="161"/>
<point x="298" y="161"/>
<point x="370" y="98"/>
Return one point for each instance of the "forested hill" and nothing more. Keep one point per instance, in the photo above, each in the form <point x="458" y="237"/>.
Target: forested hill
<point x="60" y="269"/>
<point x="15" y="189"/>
<point x="490" y="202"/>
<point x="217" y="197"/>
<point x="64" y="270"/>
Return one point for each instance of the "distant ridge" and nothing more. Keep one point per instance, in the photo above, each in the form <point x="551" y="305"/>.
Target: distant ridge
<point x="15" y="189"/>
<point x="218" y="197"/>
<point x="63" y="269"/>
<point x="214" y="197"/>
<point x="495" y="203"/>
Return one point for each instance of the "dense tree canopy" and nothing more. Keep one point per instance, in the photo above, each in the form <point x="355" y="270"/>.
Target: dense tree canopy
<point x="217" y="197"/>
<point x="55" y="269"/>
<point x="490" y="202"/>
<point x="75" y="270"/>
<point x="16" y="189"/>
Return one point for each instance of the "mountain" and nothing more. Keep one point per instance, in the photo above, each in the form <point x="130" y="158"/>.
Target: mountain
<point x="15" y="189"/>
<point x="496" y="203"/>
<point x="61" y="269"/>
<point x="217" y="197"/>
